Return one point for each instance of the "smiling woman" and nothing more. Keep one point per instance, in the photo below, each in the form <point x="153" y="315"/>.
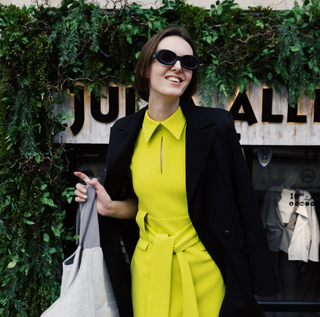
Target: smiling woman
<point x="146" y="59"/>
<point x="201" y="250"/>
<point x="168" y="82"/>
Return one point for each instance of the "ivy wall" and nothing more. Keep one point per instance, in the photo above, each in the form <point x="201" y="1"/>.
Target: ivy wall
<point x="44" y="50"/>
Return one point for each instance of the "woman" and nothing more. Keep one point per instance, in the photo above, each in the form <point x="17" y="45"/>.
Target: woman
<point x="202" y="250"/>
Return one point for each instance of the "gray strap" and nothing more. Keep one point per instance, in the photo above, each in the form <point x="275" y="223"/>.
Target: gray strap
<point x="89" y="225"/>
<point x="78" y="224"/>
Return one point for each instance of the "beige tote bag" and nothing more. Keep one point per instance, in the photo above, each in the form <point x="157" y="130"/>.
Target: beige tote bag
<point x="86" y="289"/>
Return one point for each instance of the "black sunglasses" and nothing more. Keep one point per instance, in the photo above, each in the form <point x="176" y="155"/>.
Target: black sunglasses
<point x="167" y="57"/>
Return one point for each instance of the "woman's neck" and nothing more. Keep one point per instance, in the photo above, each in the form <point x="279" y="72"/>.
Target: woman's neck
<point x="160" y="110"/>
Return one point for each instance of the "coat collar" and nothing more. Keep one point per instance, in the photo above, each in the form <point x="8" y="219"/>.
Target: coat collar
<point x="302" y="210"/>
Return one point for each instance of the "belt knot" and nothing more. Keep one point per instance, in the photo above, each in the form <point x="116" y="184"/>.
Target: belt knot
<point x="164" y="245"/>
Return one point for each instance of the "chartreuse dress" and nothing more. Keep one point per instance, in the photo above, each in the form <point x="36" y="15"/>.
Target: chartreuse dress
<point x="172" y="273"/>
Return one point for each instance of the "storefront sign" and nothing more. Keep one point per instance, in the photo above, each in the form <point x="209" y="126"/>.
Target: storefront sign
<point x="248" y="113"/>
<point x="263" y="117"/>
<point x="93" y="118"/>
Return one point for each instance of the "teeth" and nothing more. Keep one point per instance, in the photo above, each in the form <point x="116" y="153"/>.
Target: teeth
<point x="174" y="79"/>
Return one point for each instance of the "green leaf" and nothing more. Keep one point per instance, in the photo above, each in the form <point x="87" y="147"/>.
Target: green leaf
<point x="56" y="231"/>
<point x="219" y="9"/>
<point x="295" y="48"/>
<point x="25" y="40"/>
<point x="8" y="200"/>
<point x="157" y="25"/>
<point x="129" y="38"/>
<point x="12" y="264"/>
<point x="255" y="80"/>
<point x="46" y="237"/>
<point x="28" y="222"/>
<point x="209" y="39"/>
<point x="37" y="158"/>
<point x="235" y="6"/>
<point x="270" y="76"/>
<point x="52" y="250"/>
<point x="46" y="194"/>
<point x="215" y="60"/>
<point x="259" y="23"/>
<point x="49" y="202"/>
<point x="289" y="21"/>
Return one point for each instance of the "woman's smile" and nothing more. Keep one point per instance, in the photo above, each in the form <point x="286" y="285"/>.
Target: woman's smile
<point x="174" y="79"/>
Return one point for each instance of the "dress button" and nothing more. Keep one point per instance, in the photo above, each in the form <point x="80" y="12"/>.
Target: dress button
<point x="227" y="234"/>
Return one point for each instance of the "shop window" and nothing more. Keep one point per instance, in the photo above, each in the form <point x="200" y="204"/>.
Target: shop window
<point x="287" y="185"/>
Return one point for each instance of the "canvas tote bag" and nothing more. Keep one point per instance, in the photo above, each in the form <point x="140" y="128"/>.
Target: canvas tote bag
<point x="86" y="288"/>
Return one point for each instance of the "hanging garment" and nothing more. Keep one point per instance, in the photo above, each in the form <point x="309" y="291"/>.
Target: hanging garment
<point x="300" y="236"/>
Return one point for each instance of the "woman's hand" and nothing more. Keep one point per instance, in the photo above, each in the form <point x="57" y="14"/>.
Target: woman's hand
<point x="104" y="202"/>
<point x="124" y="209"/>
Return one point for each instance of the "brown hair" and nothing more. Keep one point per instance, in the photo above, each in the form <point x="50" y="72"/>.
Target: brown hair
<point x="141" y="82"/>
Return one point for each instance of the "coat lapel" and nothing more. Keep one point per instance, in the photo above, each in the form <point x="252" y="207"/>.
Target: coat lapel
<point x="201" y="132"/>
<point x="122" y="142"/>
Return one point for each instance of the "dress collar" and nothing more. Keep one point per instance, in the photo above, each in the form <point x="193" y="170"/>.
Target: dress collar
<point x="174" y="124"/>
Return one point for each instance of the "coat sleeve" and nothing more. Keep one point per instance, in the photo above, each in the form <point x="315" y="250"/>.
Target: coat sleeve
<point x="262" y="271"/>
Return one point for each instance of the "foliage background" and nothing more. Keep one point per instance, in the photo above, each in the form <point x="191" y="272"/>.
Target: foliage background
<point x="44" y="50"/>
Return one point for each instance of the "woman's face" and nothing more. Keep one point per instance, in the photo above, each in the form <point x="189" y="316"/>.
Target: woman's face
<point x="169" y="81"/>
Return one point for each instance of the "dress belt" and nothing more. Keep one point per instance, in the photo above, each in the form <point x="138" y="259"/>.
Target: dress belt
<point x="164" y="246"/>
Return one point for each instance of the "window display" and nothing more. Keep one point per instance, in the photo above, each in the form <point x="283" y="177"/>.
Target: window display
<point x="288" y="192"/>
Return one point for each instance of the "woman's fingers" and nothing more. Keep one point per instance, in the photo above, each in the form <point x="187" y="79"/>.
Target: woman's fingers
<point x="78" y="199"/>
<point x="81" y="192"/>
<point x="83" y="176"/>
<point x="80" y="188"/>
<point x="93" y="182"/>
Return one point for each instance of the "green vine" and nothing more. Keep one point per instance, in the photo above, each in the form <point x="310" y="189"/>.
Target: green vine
<point x="45" y="50"/>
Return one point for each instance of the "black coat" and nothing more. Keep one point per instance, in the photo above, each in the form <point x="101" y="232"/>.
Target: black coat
<point x="221" y="202"/>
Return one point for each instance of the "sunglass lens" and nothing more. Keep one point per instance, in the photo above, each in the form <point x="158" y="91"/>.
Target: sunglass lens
<point x="189" y="61"/>
<point x="167" y="57"/>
